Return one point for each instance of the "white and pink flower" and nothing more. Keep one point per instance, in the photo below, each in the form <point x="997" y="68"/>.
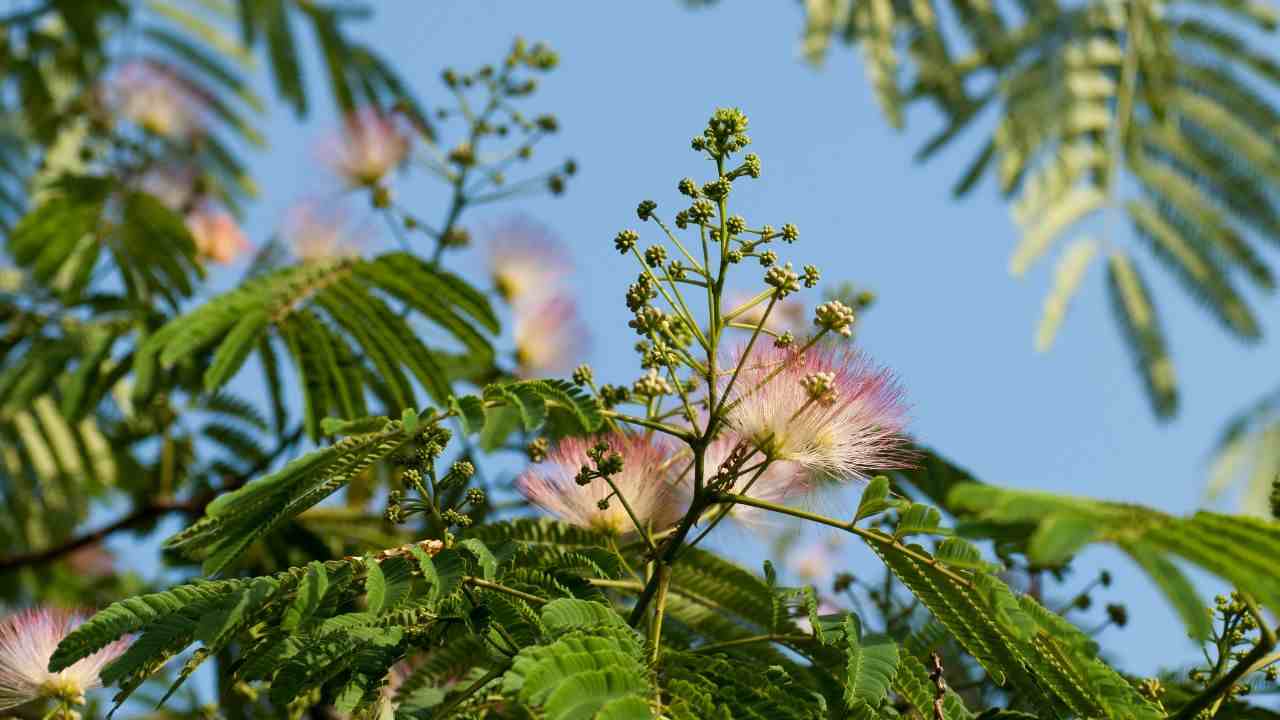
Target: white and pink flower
<point x="778" y="481"/>
<point x="527" y="262"/>
<point x="319" y="232"/>
<point x="828" y="410"/>
<point x="370" y="145"/>
<point x="646" y="481"/>
<point x="549" y="336"/>
<point x="217" y="235"/>
<point x="27" y="641"/>
<point x="155" y="98"/>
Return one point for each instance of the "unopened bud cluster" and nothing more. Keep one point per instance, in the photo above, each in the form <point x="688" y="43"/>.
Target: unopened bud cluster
<point x="835" y="316"/>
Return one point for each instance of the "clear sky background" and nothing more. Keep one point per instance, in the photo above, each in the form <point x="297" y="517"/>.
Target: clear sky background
<point x="637" y="80"/>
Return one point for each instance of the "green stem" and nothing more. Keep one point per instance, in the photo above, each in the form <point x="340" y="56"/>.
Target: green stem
<point x="663" y="573"/>
<point x="651" y="424"/>
<point x="753" y="640"/>
<point x="444" y="710"/>
<point x="487" y="585"/>
<point x="640" y="528"/>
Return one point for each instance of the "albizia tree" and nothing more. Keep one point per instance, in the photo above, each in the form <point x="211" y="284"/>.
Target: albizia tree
<point x="389" y="571"/>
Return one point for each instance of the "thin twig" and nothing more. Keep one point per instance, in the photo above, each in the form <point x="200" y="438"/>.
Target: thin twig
<point x="940" y="683"/>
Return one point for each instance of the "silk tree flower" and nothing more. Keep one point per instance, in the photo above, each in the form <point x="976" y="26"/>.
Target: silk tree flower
<point x="550" y="337"/>
<point x="318" y="232"/>
<point x="370" y="145"/>
<point x="646" y="481"/>
<point x="813" y="562"/>
<point x="780" y="481"/>
<point x="217" y="234"/>
<point x="173" y="185"/>
<point x="27" y="641"/>
<point x="527" y="261"/>
<point x="828" y="410"/>
<point x="154" y="97"/>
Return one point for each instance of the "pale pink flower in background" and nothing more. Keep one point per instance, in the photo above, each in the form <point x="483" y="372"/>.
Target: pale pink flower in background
<point x="319" y="232"/>
<point x="550" y="337"/>
<point x="829" y="410"/>
<point x="646" y="481"/>
<point x="173" y="185"/>
<point x="217" y="235"/>
<point x="813" y="562"/>
<point x="787" y="315"/>
<point x="155" y="97"/>
<point x="780" y="480"/>
<point x="527" y="262"/>
<point x="370" y="144"/>
<point x="27" y="641"/>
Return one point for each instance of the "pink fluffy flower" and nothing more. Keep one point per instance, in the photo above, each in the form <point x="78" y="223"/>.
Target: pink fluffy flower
<point x="527" y="262"/>
<point x="217" y="234"/>
<point x="813" y="562"/>
<point x="27" y="641"/>
<point x="777" y="482"/>
<point x="370" y="145"/>
<point x="319" y="232"/>
<point x="828" y="410"/>
<point x="173" y="185"/>
<point x="549" y="335"/>
<point x="646" y="481"/>
<point x="154" y="97"/>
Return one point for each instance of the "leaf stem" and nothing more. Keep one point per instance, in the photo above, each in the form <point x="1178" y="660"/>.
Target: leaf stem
<point x="752" y="640"/>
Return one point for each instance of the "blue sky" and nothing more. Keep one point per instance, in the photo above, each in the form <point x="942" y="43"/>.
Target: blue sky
<point x="637" y="80"/>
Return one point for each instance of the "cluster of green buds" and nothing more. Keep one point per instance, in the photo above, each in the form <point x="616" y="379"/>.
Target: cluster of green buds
<point x="678" y="275"/>
<point x="418" y="475"/>
<point x="497" y="138"/>
<point x="606" y="462"/>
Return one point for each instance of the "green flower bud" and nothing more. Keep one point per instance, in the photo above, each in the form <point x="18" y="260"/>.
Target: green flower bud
<point x="626" y="240"/>
<point x="688" y="187"/>
<point x="462" y="155"/>
<point x="645" y="209"/>
<point x="547" y="123"/>
<point x="582" y="375"/>
<point x="736" y="224"/>
<point x="717" y="189"/>
<point x="783" y="278"/>
<point x="768" y="258"/>
<point x="1118" y="614"/>
<point x="537" y="449"/>
<point x="651" y="384"/>
<point x="655" y="255"/>
<point x="835" y="316"/>
<point x="790" y="233"/>
<point x="456" y="237"/>
<point x="811" y="276"/>
<point x="701" y="211"/>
